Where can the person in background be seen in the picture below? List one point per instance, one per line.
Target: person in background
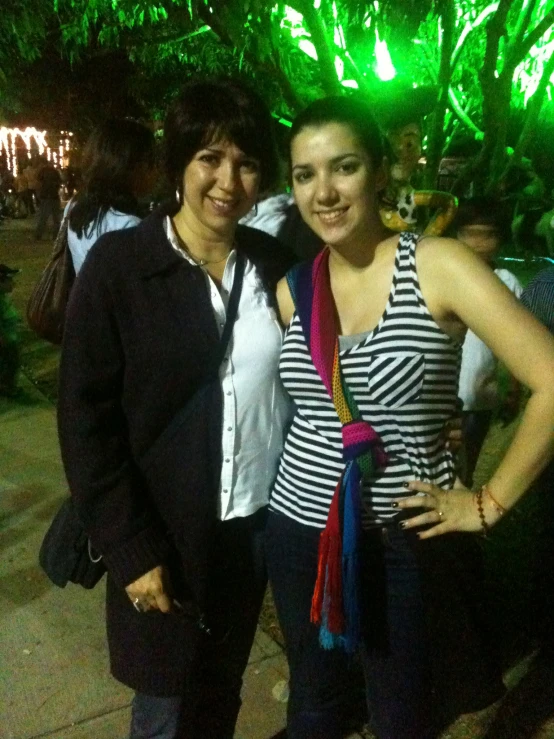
(278, 216)
(32, 172)
(538, 297)
(367, 531)
(9, 334)
(481, 224)
(49, 183)
(6, 179)
(71, 181)
(21, 188)
(170, 445)
(118, 169)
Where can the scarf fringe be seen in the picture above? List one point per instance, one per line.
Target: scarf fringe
(351, 596)
(327, 597)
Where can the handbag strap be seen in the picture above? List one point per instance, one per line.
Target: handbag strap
(62, 239)
(232, 310)
(213, 365)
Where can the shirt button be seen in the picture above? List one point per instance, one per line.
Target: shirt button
(226, 491)
(229, 392)
(227, 460)
(229, 428)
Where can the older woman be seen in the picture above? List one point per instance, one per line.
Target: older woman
(171, 418)
(364, 514)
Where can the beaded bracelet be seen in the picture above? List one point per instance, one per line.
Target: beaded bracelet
(479, 502)
(498, 508)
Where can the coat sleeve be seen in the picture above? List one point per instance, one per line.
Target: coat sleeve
(109, 494)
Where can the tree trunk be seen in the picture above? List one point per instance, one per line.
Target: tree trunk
(326, 59)
(494, 97)
(437, 118)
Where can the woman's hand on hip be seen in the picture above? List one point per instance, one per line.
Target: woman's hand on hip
(446, 510)
(150, 591)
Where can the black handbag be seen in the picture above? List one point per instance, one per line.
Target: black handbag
(66, 554)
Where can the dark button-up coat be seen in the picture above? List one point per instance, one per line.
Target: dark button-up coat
(138, 340)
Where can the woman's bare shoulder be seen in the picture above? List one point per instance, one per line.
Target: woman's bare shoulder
(285, 302)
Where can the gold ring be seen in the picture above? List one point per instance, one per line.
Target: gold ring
(136, 605)
(441, 514)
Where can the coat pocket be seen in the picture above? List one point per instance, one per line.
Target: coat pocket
(396, 378)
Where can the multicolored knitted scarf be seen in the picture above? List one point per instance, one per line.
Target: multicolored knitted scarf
(335, 602)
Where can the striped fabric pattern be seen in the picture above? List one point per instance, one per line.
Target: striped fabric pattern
(404, 377)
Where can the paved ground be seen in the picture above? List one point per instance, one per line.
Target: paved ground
(54, 680)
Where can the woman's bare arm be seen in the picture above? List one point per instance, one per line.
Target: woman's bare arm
(457, 285)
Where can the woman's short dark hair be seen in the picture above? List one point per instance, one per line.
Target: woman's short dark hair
(111, 154)
(214, 110)
(352, 111)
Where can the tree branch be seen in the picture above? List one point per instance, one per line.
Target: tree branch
(523, 24)
(467, 31)
(436, 127)
(496, 29)
(318, 32)
(178, 37)
(461, 113)
(534, 107)
(210, 19)
(535, 35)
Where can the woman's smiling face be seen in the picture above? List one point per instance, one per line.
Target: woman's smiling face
(335, 185)
(220, 186)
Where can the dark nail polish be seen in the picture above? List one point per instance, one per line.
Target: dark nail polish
(405, 484)
(394, 505)
(402, 524)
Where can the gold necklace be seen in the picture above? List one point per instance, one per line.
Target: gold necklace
(199, 262)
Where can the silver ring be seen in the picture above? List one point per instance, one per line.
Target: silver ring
(136, 605)
(441, 514)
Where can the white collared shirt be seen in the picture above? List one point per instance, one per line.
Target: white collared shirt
(256, 407)
(478, 386)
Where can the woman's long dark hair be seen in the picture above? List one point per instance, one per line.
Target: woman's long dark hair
(111, 154)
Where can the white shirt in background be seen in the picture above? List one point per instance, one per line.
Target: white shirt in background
(478, 382)
(114, 220)
(269, 214)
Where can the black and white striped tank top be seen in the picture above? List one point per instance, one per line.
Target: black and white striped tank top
(404, 377)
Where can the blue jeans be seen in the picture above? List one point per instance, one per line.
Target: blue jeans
(210, 707)
(394, 656)
(153, 717)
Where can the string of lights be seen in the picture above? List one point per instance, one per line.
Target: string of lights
(32, 138)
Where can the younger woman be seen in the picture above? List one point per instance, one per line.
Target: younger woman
(365, 484)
